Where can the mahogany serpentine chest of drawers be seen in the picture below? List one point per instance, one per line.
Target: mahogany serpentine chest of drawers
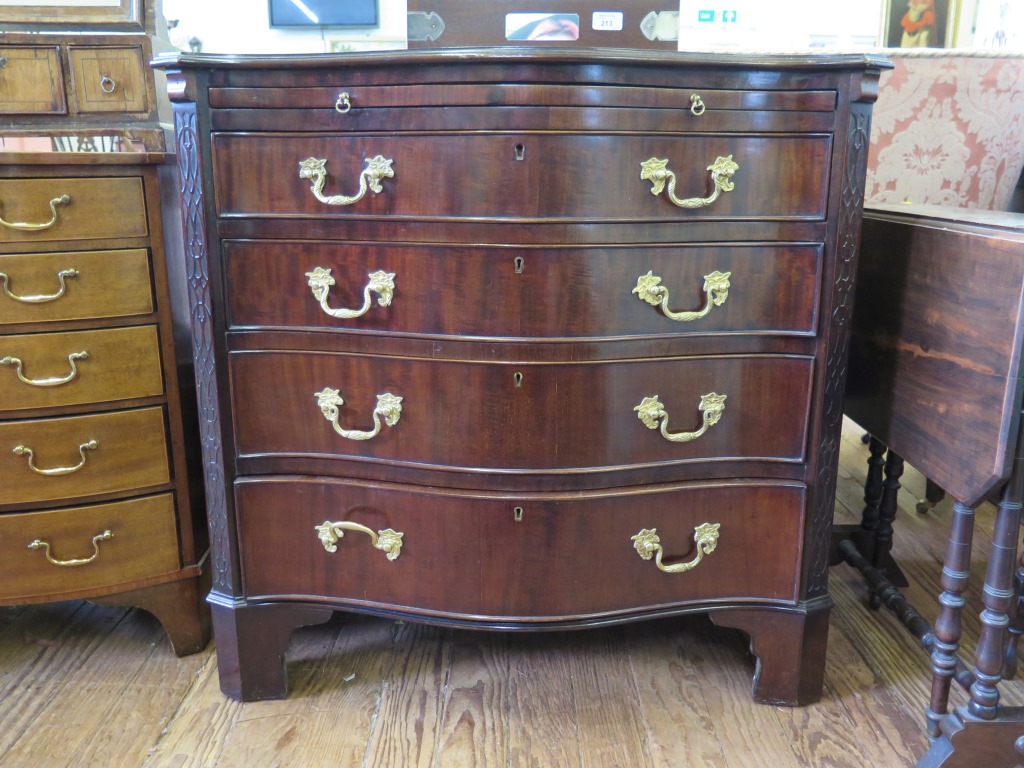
(521, 339)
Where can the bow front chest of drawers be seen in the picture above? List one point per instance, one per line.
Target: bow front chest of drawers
(521, 339)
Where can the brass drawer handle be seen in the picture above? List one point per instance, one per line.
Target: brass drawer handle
(107, 84)
(389, 407)
(53, 381)
(42, 297)
(25, 226)
(696, 104)
(648, 543)
(656, 171)
(45, 546)
(343, 104)
(382, 283)
(24, 450)
(652, 413)
(387, 541)
(377, 168)
(716, 291)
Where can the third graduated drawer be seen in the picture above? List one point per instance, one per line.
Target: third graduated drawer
(461, 290)
(532, 557)
(520, 417)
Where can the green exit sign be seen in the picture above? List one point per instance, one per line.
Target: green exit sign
(708, 17)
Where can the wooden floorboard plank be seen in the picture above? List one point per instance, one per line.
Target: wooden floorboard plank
(543, 725)
(611, 727)
(406, 732)
(680, 728)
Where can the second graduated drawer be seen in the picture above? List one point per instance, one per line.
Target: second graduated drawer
(85, 548)
(40, 370)
(74, 285)
(520, 416)
(53, 209)
(568, 177)
(73, 457)
(543, 292)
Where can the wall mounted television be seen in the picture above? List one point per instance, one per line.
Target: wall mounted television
(324, 13)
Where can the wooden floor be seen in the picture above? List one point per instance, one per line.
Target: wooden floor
(84, 685)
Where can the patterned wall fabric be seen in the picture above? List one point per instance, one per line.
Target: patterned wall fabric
(948, 129)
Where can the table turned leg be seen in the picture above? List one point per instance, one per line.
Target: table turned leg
(790, 650)
(873, 487)
(997, 597)
(251, 644)
(955, 575)
(886, 515)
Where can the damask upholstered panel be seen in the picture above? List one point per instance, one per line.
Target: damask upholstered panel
(948, 129)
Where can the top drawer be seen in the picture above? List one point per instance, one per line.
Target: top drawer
(31, 82)
(44, 210)
(487, 106)
(583, 177)
(108, 79)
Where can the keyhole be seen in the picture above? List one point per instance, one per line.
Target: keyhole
(519, 263)
(520, 151)
(518, 512)
(517, 379)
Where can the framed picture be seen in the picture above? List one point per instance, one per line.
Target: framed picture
(919, 23)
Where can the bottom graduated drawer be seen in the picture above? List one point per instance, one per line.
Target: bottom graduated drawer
(529, 557)
(85, 548)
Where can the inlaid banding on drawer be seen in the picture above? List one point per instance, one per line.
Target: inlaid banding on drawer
(540, 556)
(97, 208)
(142, 543)
(105, 365)
(104, 284)
(490, 292)
(130, 452)
(492, 417)
(451, 95)
(522, 176)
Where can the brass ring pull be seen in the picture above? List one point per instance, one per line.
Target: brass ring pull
(387, 541)
(716, 291)
(389, 407)
(107, 84)
(382, 283)
(648, 543)
(696, 104)
(26, 226)
(344, 103)
(656, 171)
(652, 413)
(42, 297)
(45, 546)
(24, 450)
(55, 381)
(377, 168)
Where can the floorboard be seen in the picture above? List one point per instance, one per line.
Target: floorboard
(86, 686)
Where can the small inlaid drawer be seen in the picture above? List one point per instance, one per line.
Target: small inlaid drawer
(84, 548)
(522, 417)
(538, 557)
(533, 176)
(562, 292)
(31, 81)
(47, 210)
(77, 456)
(41, 370)
(54, 287)
(108, 79)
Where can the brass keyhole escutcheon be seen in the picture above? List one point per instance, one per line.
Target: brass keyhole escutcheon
(518, 514)
(517, 379)
(520, 150)
(519, 263)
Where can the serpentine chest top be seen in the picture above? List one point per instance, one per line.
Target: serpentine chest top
(521, 339)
